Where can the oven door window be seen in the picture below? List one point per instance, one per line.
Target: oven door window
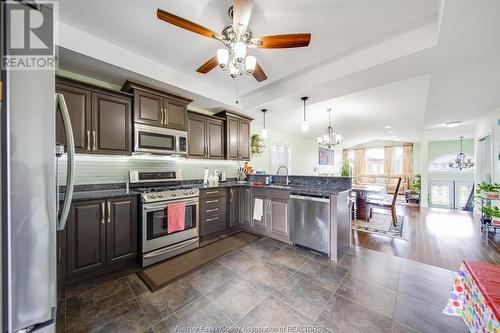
(157, 141)
(157, 222)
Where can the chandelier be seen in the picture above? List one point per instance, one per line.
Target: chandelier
(236, 60)
(330, 139)
(461, 161)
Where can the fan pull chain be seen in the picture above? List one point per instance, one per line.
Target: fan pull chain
(237, 91)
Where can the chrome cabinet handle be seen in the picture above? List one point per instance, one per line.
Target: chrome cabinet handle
(212, 219)
(103, 213)
(212, 192)
(211, 201)
(211, 210)
(88, 140)
(109, 212)
(94, 140)
(162, 116)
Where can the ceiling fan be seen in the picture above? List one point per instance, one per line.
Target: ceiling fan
(237, 37)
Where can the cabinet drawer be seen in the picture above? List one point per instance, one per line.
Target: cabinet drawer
(279, 194)
(212, 193)
(213, 223)
(212, 203)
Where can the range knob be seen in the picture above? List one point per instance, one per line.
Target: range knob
(185, 192)
(152, 196)
(191, 192)
(174, 194)
(160, 195)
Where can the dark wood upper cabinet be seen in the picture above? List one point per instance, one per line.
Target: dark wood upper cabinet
(121, 233)
(158, 108)
(78, 103)
(176, 113)
(101, 119)
(111, 125)
(86, 237)
(237, 135)
(148, 108)
(244, 139)
(205, 136)
(215, 135)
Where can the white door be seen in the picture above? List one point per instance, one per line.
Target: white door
(462, 193)
(441, 194)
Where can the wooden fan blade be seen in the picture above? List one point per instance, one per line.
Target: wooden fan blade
(184, 24)
(283, 41)
(258, 73)
(242, 9)
(208, 66)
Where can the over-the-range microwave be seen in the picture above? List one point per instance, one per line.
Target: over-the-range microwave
(159, 140)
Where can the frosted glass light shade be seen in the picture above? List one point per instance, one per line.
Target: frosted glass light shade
(222, 57)
(240, 50)
(305, 126)
(250, 62)
(320, 140)
(232, 69)
(263, 133)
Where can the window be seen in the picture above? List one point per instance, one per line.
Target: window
(350, 158)
(441, 163)
(280, 156)
(374, 159)
(397, 160)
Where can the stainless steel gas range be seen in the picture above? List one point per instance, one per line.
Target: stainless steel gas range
(159, 191)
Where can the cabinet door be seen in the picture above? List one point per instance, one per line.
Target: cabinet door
(246, 206)
(279, 218)
(78, 103)
(176, 114)
(244, 140)
(197, 136)
(260, 216)
(121, 225)
(232, 138)
(86, 240)
(111, 124)
(215, 140)
(234, 207)
(148, 108)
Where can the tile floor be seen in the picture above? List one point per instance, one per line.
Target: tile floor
(271, 285)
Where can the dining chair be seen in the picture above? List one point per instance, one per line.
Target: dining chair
(389, 205)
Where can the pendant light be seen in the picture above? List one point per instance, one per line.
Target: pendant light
(305, 123)
(461, 161)
(263, 133)
(330, 139)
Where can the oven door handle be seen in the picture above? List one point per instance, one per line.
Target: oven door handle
(148, 208)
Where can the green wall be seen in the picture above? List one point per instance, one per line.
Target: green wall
(440, 148)
(304, 156)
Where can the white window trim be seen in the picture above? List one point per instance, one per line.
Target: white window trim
(289, 166)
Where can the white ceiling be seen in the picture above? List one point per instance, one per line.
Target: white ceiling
(410, 64)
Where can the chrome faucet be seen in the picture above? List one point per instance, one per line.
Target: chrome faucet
(278, 172)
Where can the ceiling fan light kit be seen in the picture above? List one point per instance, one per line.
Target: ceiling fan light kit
(237, 37)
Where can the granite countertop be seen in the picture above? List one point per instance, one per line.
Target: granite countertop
(99, 194)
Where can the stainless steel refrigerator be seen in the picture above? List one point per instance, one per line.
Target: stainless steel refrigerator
(30, 216)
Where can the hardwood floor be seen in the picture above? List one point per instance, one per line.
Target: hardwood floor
(438, 237)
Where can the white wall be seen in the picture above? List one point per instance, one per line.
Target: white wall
(489, 125)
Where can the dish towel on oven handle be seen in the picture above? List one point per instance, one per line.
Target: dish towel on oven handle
(175, 217)
(258, 209)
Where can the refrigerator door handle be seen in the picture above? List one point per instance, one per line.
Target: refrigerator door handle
(70, 175)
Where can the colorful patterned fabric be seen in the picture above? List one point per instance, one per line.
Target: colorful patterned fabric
(467, 300)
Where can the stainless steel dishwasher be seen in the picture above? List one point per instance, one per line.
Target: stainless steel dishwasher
(310, 222)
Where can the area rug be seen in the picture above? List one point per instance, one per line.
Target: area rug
(381, 224)
(166, 272)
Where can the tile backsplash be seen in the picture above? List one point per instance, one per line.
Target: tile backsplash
(114, 169)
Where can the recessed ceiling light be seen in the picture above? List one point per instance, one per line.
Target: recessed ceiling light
(388, 127)
(454, 124)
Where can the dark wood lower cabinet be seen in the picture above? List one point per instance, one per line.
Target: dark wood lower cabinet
(121, 229)
(100, 233)
(234, 207)
(86, 241)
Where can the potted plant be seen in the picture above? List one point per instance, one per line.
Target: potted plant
(492, 215)
(345, 171)
(490, 191)
(257, 144)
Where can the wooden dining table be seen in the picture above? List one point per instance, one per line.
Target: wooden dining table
(362, 191)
